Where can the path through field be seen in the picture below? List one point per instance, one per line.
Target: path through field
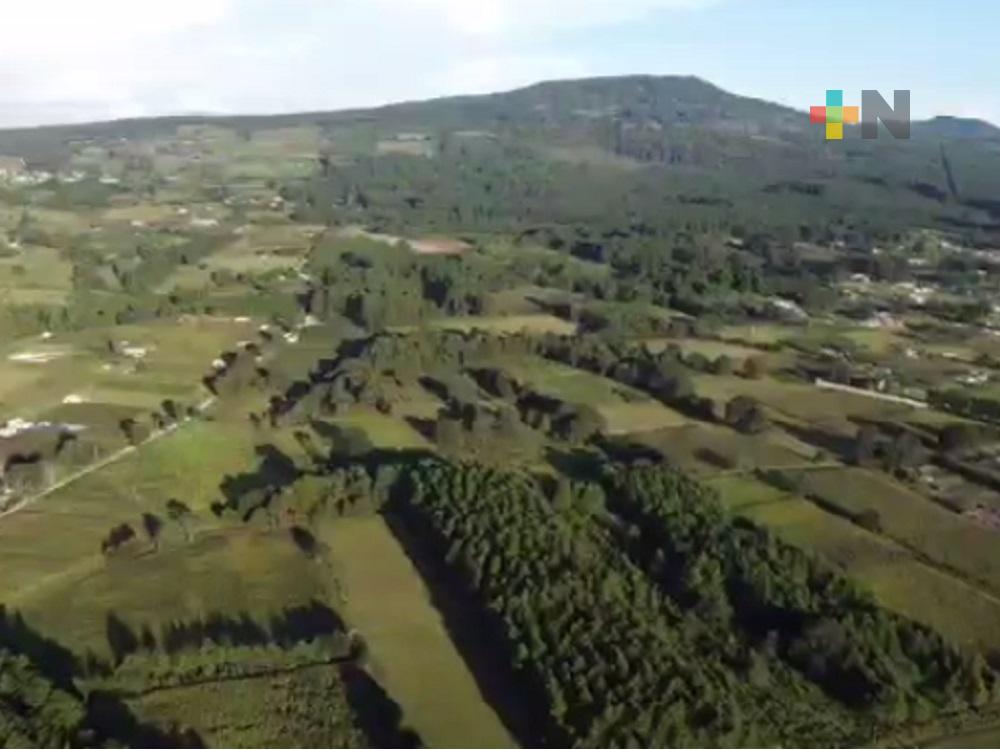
(118, 455)
(412, 655)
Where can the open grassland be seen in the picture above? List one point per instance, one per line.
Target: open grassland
(707, 347)
(763, 333)
(530, 323)
(807, 405)
(35, 274)
(144, 213)
(95, 366)
(942, 537)
(876, 340)
(411, 652)
(709, 449)
(189, 465)
(234, 572)
(262, 248)
(36, 377)
(60, 535)
(383, 430)
(624, 409)
(891, 572)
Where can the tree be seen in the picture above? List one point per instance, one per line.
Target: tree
(723, 365)
(960, 436)
(152, 525)
(171, 409)
(180, 514)
(746, 415)
(581, 425)
(904, 452)
(130, 428)
(866, 444)
(120, 535)
(754, 368)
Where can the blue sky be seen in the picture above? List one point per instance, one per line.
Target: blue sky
(63, 60)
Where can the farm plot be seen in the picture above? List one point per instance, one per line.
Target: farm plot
(382, 430)
(529, 323)
(943, 538)
(234, 573)
(710, 449)
(35, 275)
(624, 409)
(263, 248)
(386, 599)
(891, 572)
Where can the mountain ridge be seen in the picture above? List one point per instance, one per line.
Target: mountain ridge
(967, 126)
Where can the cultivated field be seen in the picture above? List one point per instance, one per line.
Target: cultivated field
(894, 574)
(411, 651)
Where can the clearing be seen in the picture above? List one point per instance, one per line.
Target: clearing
(412, 654)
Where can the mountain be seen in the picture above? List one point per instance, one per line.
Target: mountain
(694, 142)
(957, 128)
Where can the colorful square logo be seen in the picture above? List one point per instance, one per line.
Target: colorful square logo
(834, 115)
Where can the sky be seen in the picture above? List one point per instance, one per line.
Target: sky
(68, 60)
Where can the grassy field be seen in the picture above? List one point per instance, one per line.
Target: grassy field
(36, 376)
(892, 573)
(764, 333)
(232, 572)
(945, 538)
(35, 274)
(61, 535)
(383, 430)
(531, 323)
(264, 248)
(807, 405)
(411, 651)
(624, 408)
(708, 347)
(286, 710)
(708, 448)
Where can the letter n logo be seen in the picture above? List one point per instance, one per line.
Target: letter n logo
(896, 118)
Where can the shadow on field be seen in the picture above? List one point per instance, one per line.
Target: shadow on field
(274, 471)
(107, 721)
(112, 719)
(378, 715)
(53, 660)
(293, 625)
(840, 446)
(471, 633)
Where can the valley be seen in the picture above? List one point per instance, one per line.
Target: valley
(566, 416)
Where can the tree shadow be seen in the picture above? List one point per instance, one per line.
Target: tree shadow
(55, 662)
(626, 451)
(425, 427)
(474, 634)
(378, 715)
(113, 721)
(576, 463)
(841, 446)
(274, 472)
(108, 721)
(298, 624)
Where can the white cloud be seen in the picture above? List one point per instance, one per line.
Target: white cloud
(66, 60)
(57, 27)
